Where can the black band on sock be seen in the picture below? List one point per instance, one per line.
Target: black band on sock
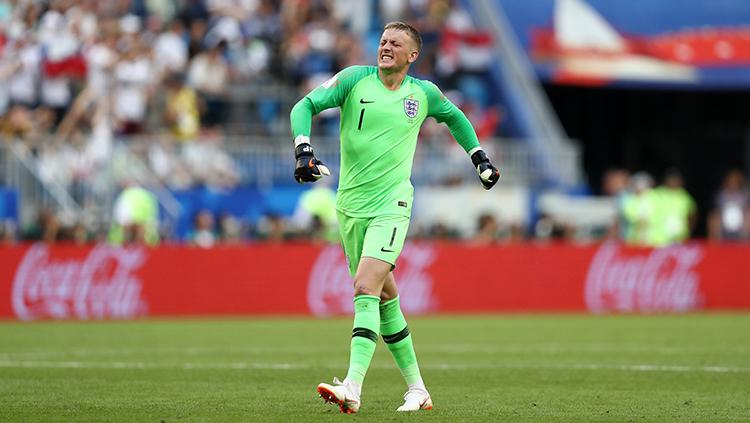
(365, 333)
(392, 339)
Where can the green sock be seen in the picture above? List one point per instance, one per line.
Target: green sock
(398, 340)
(364, 336)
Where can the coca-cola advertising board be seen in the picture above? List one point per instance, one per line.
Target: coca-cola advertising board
(104, 282)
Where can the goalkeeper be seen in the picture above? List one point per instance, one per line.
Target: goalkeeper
(382, 109)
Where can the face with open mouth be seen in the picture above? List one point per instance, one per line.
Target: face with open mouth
(396, 50)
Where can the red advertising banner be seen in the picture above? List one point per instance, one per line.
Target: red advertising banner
(102, 282)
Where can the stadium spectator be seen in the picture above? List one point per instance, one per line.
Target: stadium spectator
(491, 231)
(674, 214)
(265, 23)
(730, 218)
(197, 32)
(637, 209)
(441, 231)
(182, 114)
(209, 76)
(136, 217)
(272, 228)
(315, 214)
(23, 58)
(203, 234)
(83, 20)
(18, 123)
(60, 39)
(310, 47)
(8, 235)
(230, 230)
(163, 10)
(171, 50)
(487, 230)
(27, 126)
(615, 183)
(78, 234)
(45, 228)
(547, 228)
(133, 81)
(194, 11)
(392, 10)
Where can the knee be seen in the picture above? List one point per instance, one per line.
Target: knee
(365, 284)
(384, 296)
(364, 289)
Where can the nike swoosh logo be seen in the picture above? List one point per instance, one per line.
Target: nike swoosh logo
(363, 101)
(385, 251)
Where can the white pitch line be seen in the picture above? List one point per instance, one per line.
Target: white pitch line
(290, 366)
(623, 367)
(550, 349)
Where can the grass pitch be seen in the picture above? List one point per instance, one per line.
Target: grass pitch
(566, 368)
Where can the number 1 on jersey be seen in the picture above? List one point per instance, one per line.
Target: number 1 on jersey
(361, 116)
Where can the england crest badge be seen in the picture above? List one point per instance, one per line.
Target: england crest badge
(411, 107)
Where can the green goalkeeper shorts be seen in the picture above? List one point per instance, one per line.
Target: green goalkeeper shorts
(380, 237)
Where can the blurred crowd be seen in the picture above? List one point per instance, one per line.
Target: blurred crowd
(105, 93)
(647, 215)
(650, 212)
(81, 71)
(109, 94)
(656, 215)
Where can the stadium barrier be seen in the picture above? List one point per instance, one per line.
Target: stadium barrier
(102, 282)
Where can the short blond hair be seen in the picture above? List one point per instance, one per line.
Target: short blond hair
(403, 26)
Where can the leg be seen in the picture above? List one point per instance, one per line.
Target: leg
(371, 247)
(371, 277)
(390, 290)
(368, 283)
(382, 243)
(368, 274)
(397, 338)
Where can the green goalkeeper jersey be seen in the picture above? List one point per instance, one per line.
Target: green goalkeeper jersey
(379, 130)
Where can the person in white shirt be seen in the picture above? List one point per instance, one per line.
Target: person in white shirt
(22, 84)
(170, 49)
(132, 78)
(209, 75)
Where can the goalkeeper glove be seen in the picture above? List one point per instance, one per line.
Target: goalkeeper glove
(488, 174)
(309, 169)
